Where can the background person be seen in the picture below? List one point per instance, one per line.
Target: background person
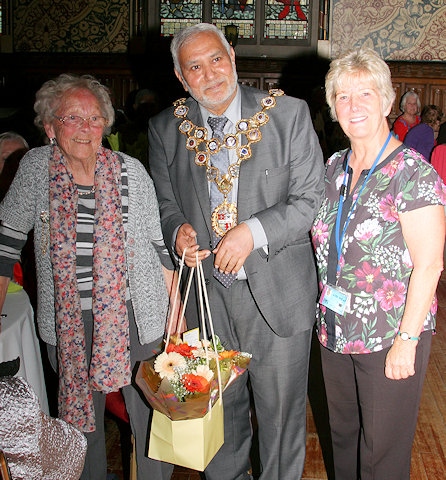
(102, 266)
(410, 105)
(438, 157)
(422, 136)
(378, 239)
(269, 309)
(11, 142)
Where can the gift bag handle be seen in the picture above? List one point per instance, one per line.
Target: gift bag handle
(177, 296)
(202, 295)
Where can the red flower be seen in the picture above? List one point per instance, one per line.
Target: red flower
(195, 383)
(355, 347)
(391, 295)
(183, 349)
(388, 209)
(368, 277)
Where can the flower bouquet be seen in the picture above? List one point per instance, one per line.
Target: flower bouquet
(183, 380)
(184, 385)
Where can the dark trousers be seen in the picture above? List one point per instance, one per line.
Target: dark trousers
(372, 418)
(95, 467)
(278, 375)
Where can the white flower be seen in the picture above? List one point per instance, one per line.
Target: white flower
(204, 371)
(370, 228)
(340, 180)
(407, 260)
(166, 363)
(205, 342)
(201, 353)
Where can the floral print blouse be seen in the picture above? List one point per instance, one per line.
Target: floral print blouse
(375, 265)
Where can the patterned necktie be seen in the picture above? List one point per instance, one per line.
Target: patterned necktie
(221, 161)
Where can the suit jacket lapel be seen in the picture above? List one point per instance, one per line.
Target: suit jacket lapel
(198, 174)
(250, 106)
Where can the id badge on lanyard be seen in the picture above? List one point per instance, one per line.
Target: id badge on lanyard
(336, 299)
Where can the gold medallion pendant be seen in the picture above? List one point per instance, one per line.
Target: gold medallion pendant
(223, 218)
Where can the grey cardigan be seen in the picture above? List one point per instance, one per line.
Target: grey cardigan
(28, 197)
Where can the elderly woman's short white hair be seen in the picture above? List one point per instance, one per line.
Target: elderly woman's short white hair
(363, 62)
(406, 97)
(50, 95)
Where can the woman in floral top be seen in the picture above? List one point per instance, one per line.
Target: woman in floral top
(379, 240)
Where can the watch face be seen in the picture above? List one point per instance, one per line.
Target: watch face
(404, 335)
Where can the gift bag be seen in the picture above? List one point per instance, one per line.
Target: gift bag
(186, 430)
(190, 443)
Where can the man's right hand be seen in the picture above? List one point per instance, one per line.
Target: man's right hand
(187, 240)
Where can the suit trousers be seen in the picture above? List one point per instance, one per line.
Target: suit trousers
(278, 375)
(372, 414)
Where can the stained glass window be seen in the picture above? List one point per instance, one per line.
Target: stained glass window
(287, 19)
(262, 25)
(2, 28)
(177, 14)
(240, 13)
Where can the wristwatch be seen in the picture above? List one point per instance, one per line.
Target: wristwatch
(405, 336)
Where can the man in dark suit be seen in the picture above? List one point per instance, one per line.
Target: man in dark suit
(269, 196)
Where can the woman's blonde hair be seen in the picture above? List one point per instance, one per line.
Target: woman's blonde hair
(366, 63)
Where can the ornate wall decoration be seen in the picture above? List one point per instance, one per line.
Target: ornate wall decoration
(95, 26)
(397, 29)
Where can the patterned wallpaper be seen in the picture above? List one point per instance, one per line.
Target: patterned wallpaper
(71, 25)
(396, 29)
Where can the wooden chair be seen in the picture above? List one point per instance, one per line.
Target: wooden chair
(5, 474)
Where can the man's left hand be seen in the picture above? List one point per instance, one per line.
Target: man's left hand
(233, 249)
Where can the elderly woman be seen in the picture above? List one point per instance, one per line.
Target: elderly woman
(410, 105)
(103, 270)
(378, 240)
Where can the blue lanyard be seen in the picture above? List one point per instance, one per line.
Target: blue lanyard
(343, 195)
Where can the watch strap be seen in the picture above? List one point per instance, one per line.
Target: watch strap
(405, 336)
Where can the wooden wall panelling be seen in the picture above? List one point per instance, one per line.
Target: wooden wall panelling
(428, 79)
(271, 82)
(430, 91)
(438, 96)
(250, 82)
(262, 82)
(22, 74)
(397, 87)
(120, 86)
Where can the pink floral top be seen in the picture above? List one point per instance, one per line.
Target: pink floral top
(375, 265)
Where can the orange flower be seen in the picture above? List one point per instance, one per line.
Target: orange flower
(182, 348)
(227, 354)
(195, 383)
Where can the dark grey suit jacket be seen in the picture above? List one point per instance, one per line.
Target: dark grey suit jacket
(281, 184)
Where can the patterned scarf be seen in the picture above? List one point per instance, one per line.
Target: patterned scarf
(109, 368)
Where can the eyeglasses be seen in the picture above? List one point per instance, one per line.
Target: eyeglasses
(94, 121)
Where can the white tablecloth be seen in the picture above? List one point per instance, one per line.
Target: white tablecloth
(18, 339)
